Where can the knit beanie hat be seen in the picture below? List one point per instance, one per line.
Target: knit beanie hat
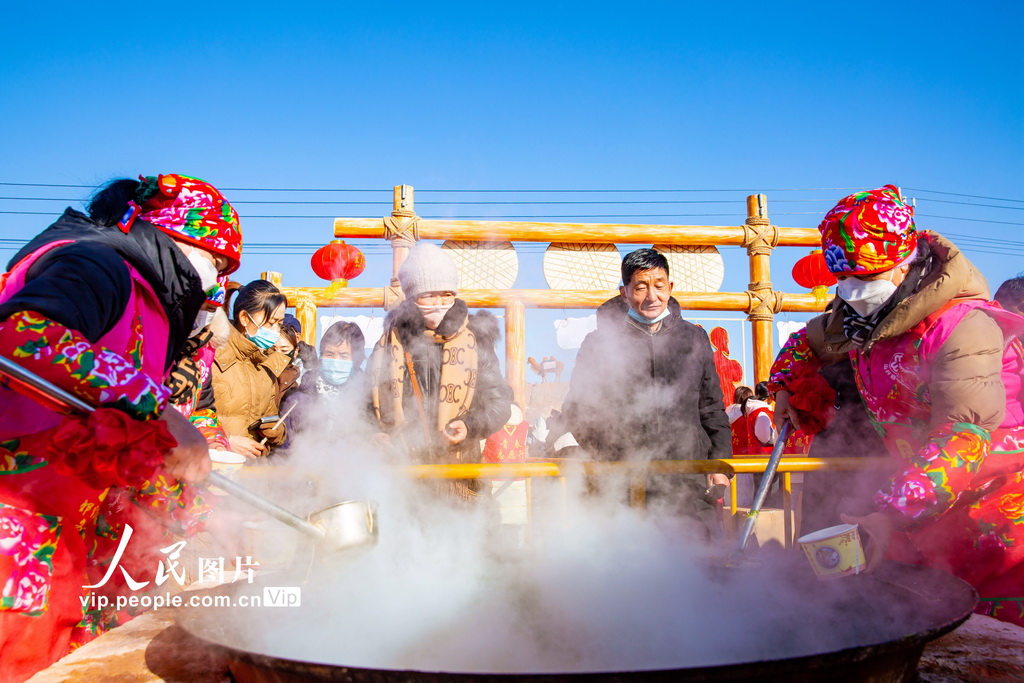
(428, 269)
(868, 232)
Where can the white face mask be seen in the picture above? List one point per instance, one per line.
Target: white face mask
(434, 314)
(865, 297)
(202, 320)
(207, 271)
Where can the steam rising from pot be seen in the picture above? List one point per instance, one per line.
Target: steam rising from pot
(597, 585)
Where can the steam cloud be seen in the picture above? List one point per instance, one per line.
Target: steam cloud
(597, 585)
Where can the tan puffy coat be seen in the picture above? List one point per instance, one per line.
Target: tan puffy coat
(966, 384)
(245, 385)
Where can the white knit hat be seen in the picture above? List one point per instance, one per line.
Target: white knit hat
(428, 269)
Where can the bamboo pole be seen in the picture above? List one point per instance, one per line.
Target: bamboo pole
(305, 309)
(563, 468)
(763, 302)
(305, 313)
(703, 235)
(515, 350)
(403, 207)
(581, 299)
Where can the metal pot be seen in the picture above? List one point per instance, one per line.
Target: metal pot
(931, 603)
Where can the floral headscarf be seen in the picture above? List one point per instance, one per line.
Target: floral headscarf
(192, 210)
(216, 295)
(868, 232)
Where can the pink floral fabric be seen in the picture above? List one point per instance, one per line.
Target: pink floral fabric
(194, 211)
(96, 374)
(796, 370)
(182, 508)
(27, 543)
(868, 232)
(958, 494)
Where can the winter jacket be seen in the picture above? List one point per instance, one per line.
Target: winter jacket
(641, 396)
(87, 286)
(191, 384)
(245, 384)
(491, 404)
(321, 408)
(941, 379)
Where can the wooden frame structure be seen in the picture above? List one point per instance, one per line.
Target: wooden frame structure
(761, 302)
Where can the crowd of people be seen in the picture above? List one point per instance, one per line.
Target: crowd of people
(129, 308)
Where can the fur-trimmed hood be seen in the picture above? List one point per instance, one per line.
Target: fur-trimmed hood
(952, 277)
(408, 322)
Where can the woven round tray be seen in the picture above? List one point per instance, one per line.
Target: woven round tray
(693, 269)
(484, 265)
(570, 265)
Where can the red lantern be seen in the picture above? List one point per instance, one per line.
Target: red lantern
(811, 272)
(338, 262)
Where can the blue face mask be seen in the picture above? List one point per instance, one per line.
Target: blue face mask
(335, 371)
(264, 337)
(647, 321)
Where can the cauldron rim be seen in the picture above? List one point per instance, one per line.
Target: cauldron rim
(961, 604)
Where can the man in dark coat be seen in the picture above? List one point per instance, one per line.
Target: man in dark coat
(645, 386)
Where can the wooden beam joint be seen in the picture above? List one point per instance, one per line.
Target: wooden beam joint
(763, 302)
(760, 236)
(393, 296)
(402, 227)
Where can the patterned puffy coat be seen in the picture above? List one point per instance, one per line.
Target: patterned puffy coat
(941, 379)
(100, 314)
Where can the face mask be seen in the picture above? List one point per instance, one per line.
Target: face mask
(264, 337)
(647, 321)
(202, 320)
(207, 271)
(865, 297)
(335, 370)
(434, 314)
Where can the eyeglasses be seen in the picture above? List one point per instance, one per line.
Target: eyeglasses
(436, 298)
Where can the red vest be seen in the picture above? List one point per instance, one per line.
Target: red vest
(508, 444)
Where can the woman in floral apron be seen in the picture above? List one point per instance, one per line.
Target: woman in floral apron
(100, 305)
(939, 370)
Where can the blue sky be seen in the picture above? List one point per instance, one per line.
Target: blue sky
(442, 96)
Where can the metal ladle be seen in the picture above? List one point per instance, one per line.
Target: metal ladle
(346, 525)
(766, 482)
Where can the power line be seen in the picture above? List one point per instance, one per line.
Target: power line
(548, 190)
(958, 194)
(972, 220)
(527, 203)
(991, 206)
(992, 240)
(546, 217)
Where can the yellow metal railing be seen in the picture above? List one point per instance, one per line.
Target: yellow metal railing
(638, 473)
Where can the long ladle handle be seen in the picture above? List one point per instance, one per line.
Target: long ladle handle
(53, 392)
(43, 386)
(264, 505)
(766, 482)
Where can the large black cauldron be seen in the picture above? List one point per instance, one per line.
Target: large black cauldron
(922, 604)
